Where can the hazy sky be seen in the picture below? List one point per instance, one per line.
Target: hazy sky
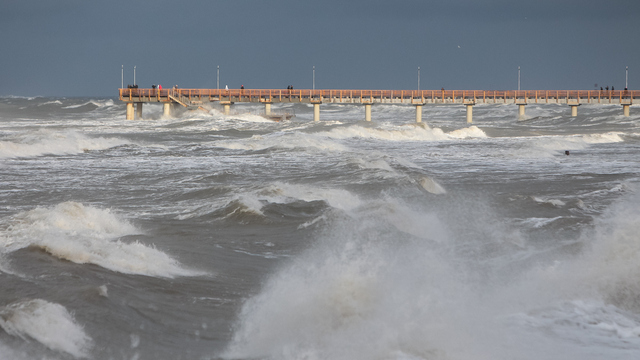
(77, 47)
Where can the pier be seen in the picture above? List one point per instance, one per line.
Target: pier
(196, 98)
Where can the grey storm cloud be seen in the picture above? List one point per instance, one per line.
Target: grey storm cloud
(77, 48)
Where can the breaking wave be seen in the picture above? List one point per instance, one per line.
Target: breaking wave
(49, 324)
(56, 143)
(82, 234)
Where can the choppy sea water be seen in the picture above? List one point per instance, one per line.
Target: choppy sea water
(205, 236)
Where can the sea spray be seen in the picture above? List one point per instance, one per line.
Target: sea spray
(48, 323)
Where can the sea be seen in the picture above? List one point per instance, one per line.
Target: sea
(209, 236)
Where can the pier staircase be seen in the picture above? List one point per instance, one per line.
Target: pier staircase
(185, 101)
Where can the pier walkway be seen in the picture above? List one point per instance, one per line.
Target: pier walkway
(195, 98)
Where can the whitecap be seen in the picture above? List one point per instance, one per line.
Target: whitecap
(470, 132)
(287, 141)
(405, 133)
(51, 142)
(48, 323)
(431, 185)
(84, 234)
(554, 202)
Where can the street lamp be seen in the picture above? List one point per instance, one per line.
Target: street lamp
(518, 78)
(134, 75)
(418, 78)
(314, 78)
(626, 81)
(218, 79)
(122, 76)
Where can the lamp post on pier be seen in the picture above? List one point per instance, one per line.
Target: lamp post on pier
(518, 78)
(122, 77)
(134, 75)
(313, 82)
(626, 79)
(218, 78)
(418, 78)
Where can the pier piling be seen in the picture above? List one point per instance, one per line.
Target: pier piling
(130, 111)
(418, 114)
(521, 111)
(574, 109)
(367, 112)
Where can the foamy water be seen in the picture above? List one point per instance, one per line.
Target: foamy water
(207, 236)
(49, 324)
(53, 143)
(83, 235)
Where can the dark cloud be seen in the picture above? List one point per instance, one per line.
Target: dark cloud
(76, 48)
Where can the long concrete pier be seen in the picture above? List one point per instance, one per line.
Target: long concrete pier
(195, 98)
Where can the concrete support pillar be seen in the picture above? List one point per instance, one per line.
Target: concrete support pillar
(130, 111)
(625, 109)
(574, 110)
(316, 112)
(227, 109)
(267, 109)
(521, 110)
(469, 113)
(367, 112)
(167, 109)
(418, 114)
(139, 110)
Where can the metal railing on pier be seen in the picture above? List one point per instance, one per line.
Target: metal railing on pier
(381, 96)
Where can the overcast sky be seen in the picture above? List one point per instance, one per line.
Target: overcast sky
(77, 47)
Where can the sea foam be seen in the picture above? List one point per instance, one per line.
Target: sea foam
(84, 234)
(287, 141)
(44, 142)
(48, 323)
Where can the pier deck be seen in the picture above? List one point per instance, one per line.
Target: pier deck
(384, 96)
(194, 98)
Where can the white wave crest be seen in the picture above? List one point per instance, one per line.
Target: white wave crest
(49, 324)
(285, 193)
(289, 141)
(405, 133)
(574, 142)
(82, 234)
(470, 132)
(56, 143)
(98, 103)
(432, 186)
(606, 138)
(56, 102)
(554, 202)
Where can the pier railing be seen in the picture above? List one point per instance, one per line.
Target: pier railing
(382, 96)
